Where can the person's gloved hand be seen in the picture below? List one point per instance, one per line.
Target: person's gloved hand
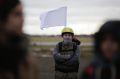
(78, 42)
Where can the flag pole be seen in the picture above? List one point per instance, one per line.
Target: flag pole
(66, 17)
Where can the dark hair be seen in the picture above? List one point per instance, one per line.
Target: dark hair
(111, 28)
(5, 8)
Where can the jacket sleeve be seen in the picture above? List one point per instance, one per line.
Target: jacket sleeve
(76, 57)
(57, 56)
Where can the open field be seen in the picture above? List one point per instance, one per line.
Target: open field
(43, 47)
(45, 67)
(57, 39)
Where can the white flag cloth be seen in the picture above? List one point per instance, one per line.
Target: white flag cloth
(54, 18)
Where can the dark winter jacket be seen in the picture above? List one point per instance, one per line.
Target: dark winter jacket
(100, 67)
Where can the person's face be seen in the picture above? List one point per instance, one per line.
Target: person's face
(15, 21)
(67, 36)
(109, 47)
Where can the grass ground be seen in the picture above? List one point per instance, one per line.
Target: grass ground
(85, 50)
(57, 39)
(45, 65)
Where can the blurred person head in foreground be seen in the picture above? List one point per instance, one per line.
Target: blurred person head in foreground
(106, 64)
(15, 61)
(11, 15)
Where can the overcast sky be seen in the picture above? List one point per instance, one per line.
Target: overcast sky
(84, 16)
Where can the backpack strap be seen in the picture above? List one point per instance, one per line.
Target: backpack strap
(74, 47)
(74, 50)
(60, 46)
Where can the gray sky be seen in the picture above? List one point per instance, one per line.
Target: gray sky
(84, 16)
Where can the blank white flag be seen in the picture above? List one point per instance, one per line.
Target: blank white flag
(54, 18)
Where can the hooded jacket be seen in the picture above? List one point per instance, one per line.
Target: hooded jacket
(100, 67)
